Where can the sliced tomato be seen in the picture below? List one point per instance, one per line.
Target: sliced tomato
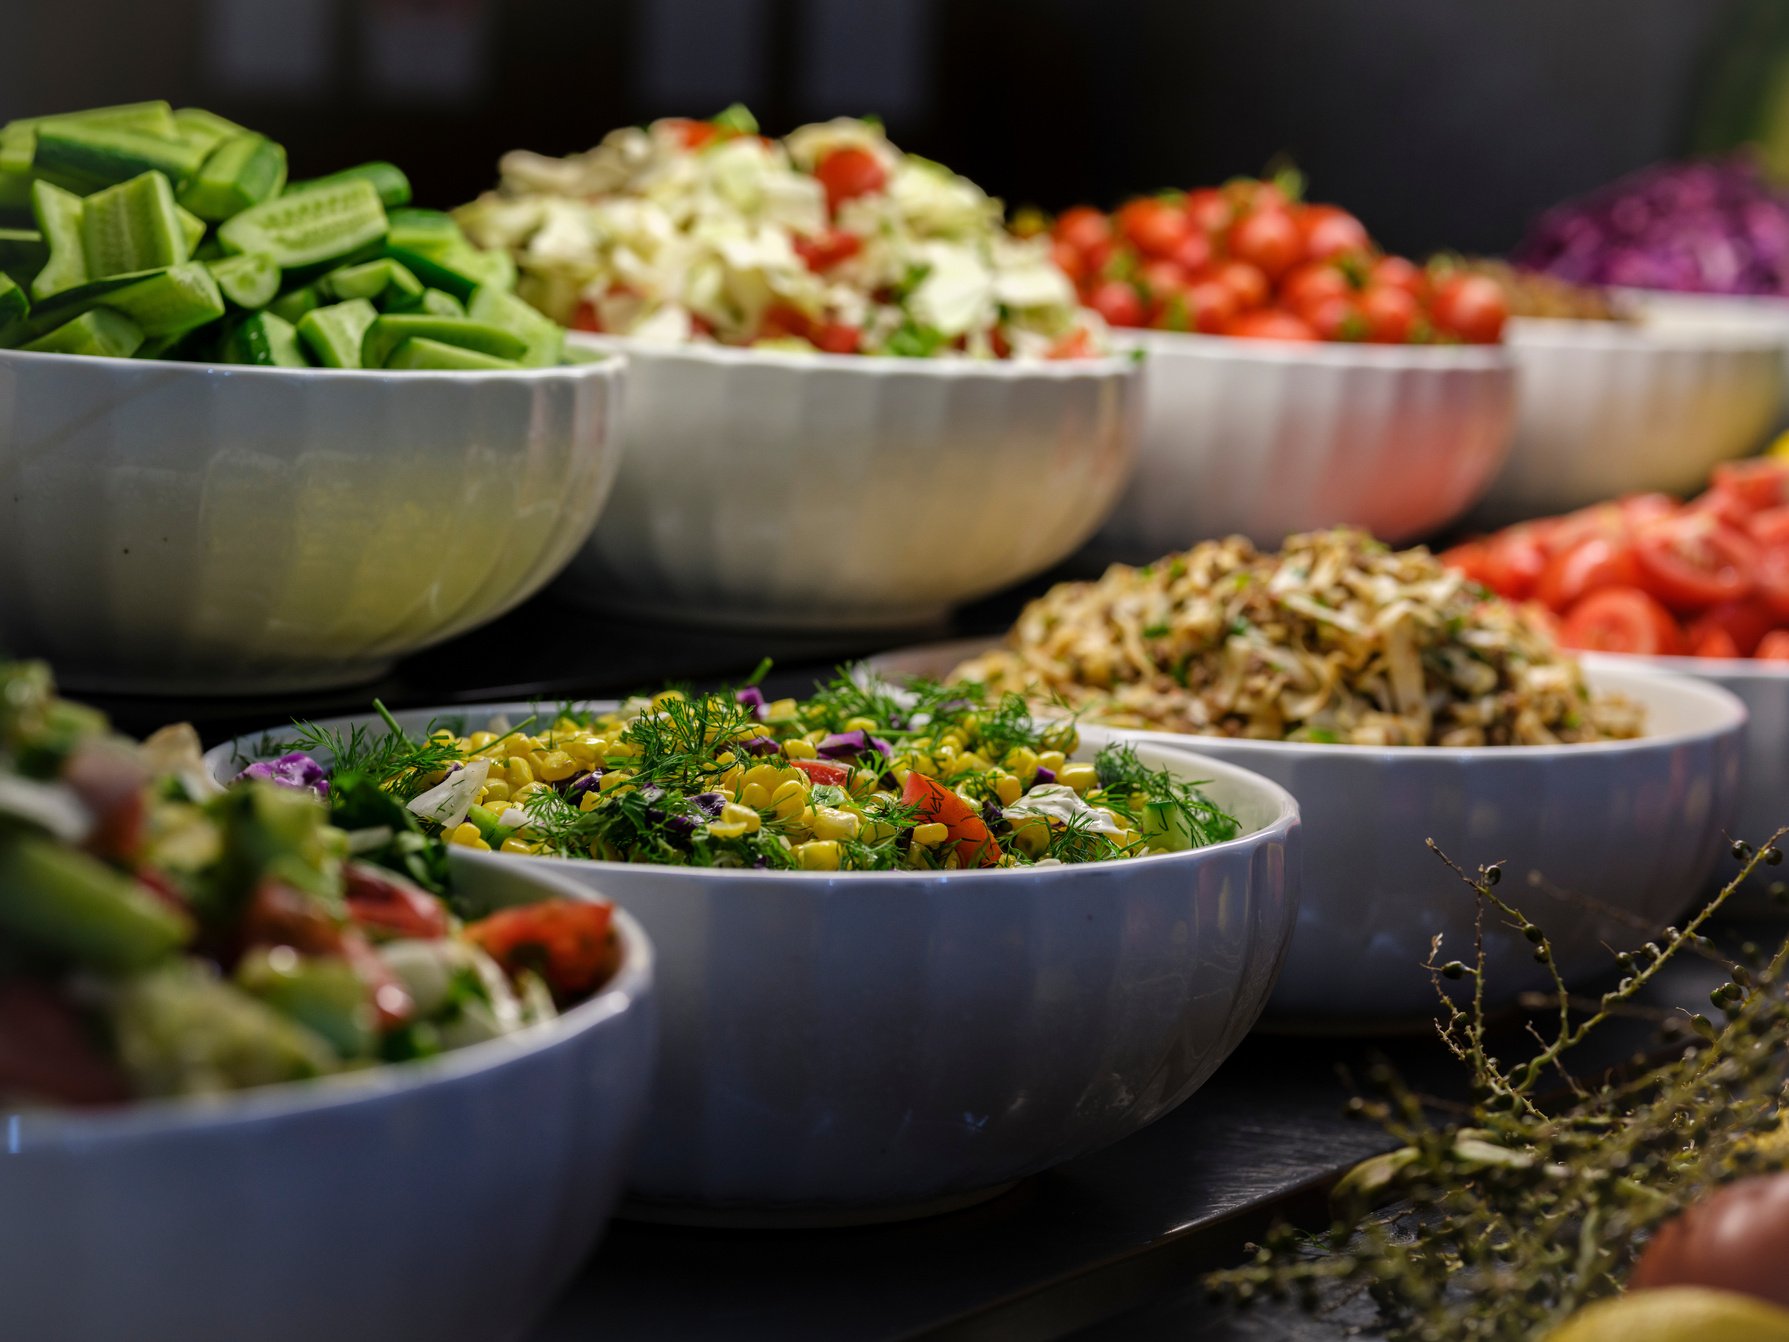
(1759, 484)
(385, 903)
(1692, 561)
(1775, 647)
(1745, 622)
(1469, 558)
(1514, 562)
(1769, 527)
(1077, 344)
(1772, 578)
(114, 789)
(975, 845)
(824, 772)
(1639, 509)
(1621, 619)
(1726, 507)
(568, 942)
(1588, 566)
(585, 318)
(831, 248)
(48, 1053)
(1713, 643)
(283, 915)
(848, 173)
(692, 134)
(837, 337)
(392, 1003)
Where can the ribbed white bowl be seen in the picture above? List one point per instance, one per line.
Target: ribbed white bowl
(1672, 311)
(1264, 438)
(1605, 843)
(874, 1044)
(766, 489)
(446, 1199)
(185, 528)
(1606, 409)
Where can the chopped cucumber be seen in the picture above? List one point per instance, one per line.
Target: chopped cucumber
(499, 307)
(334, 335)
(294, 303)
(383, 281)
(192, 228)
(132, 226)
(15, 306)
(172, 301)
(266, 340)
(419, 352)
(58, 215)
(439, 303)
(99, 331)
(393, 329)
(22, 253)
(18, 139)
(386, 178)
(205, 129)
(322, 993)
(424, 230)
(457, 270)
(15, 194)
(239, 173)
(249, 281)
(63, 902)
(305, 227)
(100, 155)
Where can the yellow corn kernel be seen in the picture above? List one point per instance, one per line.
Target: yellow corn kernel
(1031, 836)
(478, 741)
(789, 799)
(943, 752)
(952, 737)
(755, 795)
(860, 724)
(664, 697)
(621, 750)
(1008, 788)
(495, 789)
(1022, 760)
(779, 709)
(732, 814)
(831, 823)
(589, 800)
(930, 834)
(1052, 760)
(581, 748)
(521, 795)
(862, 782)
(467, 836)
(767, 776)
(555, 765)
(798, 749)
(515, 772)
(613, 779)
(818, 855)
(442, 735)
(728, 780)
(523, 745)
(514, 845)
(726, 758)
(726, 829)
(1081, 777)
(968, 762)
(429, 780)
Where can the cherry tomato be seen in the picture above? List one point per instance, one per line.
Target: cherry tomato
(1470, 558)
(1728, 1240)
(1774, 646)
(1587, 566)
(1209, 210)
(1621, 619)
(1391, 314)
(1083, 227)
(1162, 278)
(1692, 562)
(386, 904)
(836, 338)
(933, 802)
(1330, 231)
(1192, 253)
(693, 134)
(1514, 562)
(1313, 283)
(1473, 307)
(824, 772)
(1245, 281)
(1745, 622)
(47, 1052)
(1712, 643)
(568, 942)
(828, 250)
(1153, 226)
(1211, 305)
(1267, 240)
(1269, 324)
(1069, 260)
(1757, 484)
(1770, 527)
(1394, 272)
(781, 321)
(1729, 509)
(1337, 319)
(1117, 302)
(282, 915)
(1772, 578)
(848, 173)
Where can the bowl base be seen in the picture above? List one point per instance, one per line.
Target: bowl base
(75, 680)
(819, 1217)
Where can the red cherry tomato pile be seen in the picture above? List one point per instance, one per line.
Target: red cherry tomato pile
(1247, 260)
(1647, 574)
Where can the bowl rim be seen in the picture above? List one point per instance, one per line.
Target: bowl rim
(1756, 305)
(1749, 669)
(1726, 712)
(610, 368)
(632, 984)
(1119, 364)
(1489, 360)
(1285, 816)
(1554, 334)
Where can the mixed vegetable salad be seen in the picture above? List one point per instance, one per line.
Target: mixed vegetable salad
(830, 239)
(152, 232)
(1336, 640)
(861, 776)
(1251, 259)
(161, 935)
(1646, 574)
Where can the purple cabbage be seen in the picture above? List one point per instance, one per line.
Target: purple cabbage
(753, 698)
(849, 745)
(759, 745)
(295, 770)
(582, 784)
(710, 802)
(1045, 775)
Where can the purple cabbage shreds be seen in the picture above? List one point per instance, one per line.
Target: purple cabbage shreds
(753, 698)
(296, 770)
(680, 825)
(991, 814)
(1045, 775)
(709, 802)
(759, 745)
(849, 745)
(582, 784)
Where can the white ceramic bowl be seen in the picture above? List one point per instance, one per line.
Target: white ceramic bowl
(189, 528)
(1606, 409)
(1669, 310)
(447, 1199)
(766, 489)
(868, 1045)
(1622, 833)
(1266, 438)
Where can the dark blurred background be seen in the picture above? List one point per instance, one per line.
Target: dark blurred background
(1443, 123)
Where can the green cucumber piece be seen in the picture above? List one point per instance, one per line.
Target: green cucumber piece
(294, 303)
(439, 303)
(18, 139)
(265, 340)
(15, 194)
(250, 281)
(58, 215)
(99, 331)
(322, 993)
(383, 281)
(419, 352)
(18, 146)
(498, 307)
(239, 173)
(22, 253)
(305, 227)
(457, 270)
(132, 226)
(101, 155)
(206, 129)
(424, 230)
(62, 901)
(386, 178)
(333, 335)
(393, 329)
(15, 306)
(171, 302)
(192, 228)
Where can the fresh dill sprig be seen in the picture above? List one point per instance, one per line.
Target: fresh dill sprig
(1130, 787)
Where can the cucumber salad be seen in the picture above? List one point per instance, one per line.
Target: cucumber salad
(861, 776)
(161, 935)
(146, 231)
(830, 239)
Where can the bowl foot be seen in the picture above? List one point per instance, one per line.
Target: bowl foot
(818, 1217)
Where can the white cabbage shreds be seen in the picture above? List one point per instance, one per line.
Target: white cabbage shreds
(448, 802)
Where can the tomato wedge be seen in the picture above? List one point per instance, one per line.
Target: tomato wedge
(1588, 566)
(1470, 559)
(1772, 576)
(976, 846)
(569, 942)
(1621, 619)
(1693, 562)
(1745, 622)
(824, 772)
(1714, 643)
(390, 906)
(1514, 562)
(1769, 527)
(1756, 484)
(1775, 647)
